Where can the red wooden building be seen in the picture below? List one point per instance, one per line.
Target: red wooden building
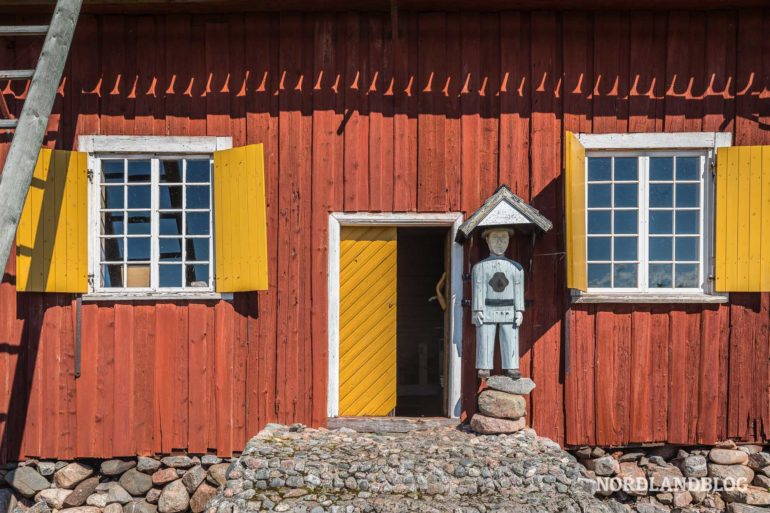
(418, 113)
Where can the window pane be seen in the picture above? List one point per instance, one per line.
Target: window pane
(687, 221)
(599, 195)
(138, 170)
(112, 197)
(660, 221)
(198, 249)
(687, 248)
(112, 223)
(171, 171)
(599, 275)
(625, 221)
(138, 248)
(599, 248)
(112, 275)
(625, 248)
(661, 168)
(197, 196)
(139, 196)
(687, 168)
(661, 195)
(686, 276)
(170, 250)
(197, 275)
(599, 221)
(139, 223)
(687, 194)
(138, 276)
(170, 275)
(626, 194)
(170, 196)
(112, 171)
(625, 275)
(626, 168)
(112, 250)
(198, 223)
(170, 223)
(661, 249)
(198, 170)
(599, 169)
(660, 276)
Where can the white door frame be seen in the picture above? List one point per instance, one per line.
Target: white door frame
(451, 220)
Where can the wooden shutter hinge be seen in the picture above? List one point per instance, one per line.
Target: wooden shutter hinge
(90, 174)
(91, 281)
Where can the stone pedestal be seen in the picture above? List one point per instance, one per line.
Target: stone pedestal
(502, 407)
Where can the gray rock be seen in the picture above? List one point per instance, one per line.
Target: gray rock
(759, 460)
(630, 456)
(604, 466)
(147, 465)
(664, 475)
(200, 498)
(97, 500)
(193, 478)
(728, 456)
(628, 470)
(81, 509)
(177, 461)
(136, 483)
(750, 448)
(46, 468)
(153, 495)
(217, 474)
(174, 498)
(521, 386)
(492, 426)
(113, 492)
(761, 481)
(116, 467)
(139, 507)
(38, 507)
(648, 507)
(210, 459)
(502, 405)
(113, 508)
(81, 492)
(71, 475)
(751, 495)
(694, 466)
(27, 481)
(54, 497)
(732, 472)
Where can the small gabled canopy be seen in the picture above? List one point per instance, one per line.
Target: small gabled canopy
(503, 208)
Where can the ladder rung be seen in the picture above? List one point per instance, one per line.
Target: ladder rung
(8, 123)
(23, 30)
(16, 74)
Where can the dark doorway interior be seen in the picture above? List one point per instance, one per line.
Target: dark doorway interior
(420, 322)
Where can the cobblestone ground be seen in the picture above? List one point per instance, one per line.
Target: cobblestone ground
(444, 470)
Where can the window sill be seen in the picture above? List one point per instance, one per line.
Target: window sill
(650, 298)
(158, 296)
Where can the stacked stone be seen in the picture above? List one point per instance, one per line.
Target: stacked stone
(174, 484)
(502, 407)
(726, 462)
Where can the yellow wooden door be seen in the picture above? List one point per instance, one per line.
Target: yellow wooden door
(367, 321)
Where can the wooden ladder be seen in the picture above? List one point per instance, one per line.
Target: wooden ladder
(29, 129)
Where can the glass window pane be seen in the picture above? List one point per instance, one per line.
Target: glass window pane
(139, 196)
(112, 171)
(599, 169)
(661, 168)
(139, 170)
(197, 275)
(198, 223)
(138, 276)
(112, 275)
(139, 223)
(687, 248)
(112, 197)
(170, 223)
(625, 275)
(599, 195)
(198, 170)
(170, 250)
(626, 194)
(687, 168)
(661, 249)
(686, 276)
(626, 248)
(112, 223)
(170, 196)
(661, 195)
(626, 221)
(112, 250)
(687, 221)
(660, 221)
(171, 171)
(660, 276)
(138, 248)
(170, 275)
(599, 221)
(599, 248)
(599, 275)
(687, 194)
(197, 196)
(626, 168)
(198, 249)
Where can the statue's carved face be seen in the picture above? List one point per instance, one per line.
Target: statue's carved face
(498, 242)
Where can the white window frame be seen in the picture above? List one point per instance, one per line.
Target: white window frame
(149, 147)
(703, 144)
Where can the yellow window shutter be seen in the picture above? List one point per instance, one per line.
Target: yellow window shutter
(575, 197)
(240, 226)
(51, 240)
(742, 232)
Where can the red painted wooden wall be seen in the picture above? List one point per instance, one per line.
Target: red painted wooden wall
(356, 120)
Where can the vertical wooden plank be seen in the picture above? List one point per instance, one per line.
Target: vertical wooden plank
(65, 366)
(105, 382)
(611, 47)
(165, 376)
(200, 374)
(223, 368)
(406, 92)
(380, 138)
(88, 441)
(647, 71)
(579, 398)
(146, 384)
(356, 129)
(124, 435)
(472, 194)
(179, 80)
(180, 373)
(150, 80)
(641, 428)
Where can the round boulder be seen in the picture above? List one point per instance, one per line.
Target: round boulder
(174, 498)
(136, 483)
(502, 405)
(728, 456)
